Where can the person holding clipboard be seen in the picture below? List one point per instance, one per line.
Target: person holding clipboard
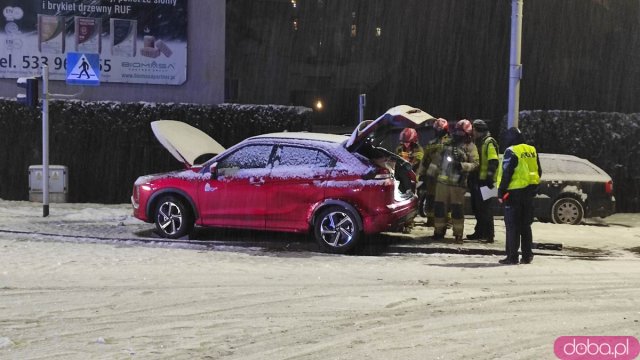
(482, 182)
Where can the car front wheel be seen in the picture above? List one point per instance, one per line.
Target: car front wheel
(336, 230)
(172, 218)
(567, 211)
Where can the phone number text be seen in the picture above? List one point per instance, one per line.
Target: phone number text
(36, 62)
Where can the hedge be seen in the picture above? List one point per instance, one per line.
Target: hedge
(107, 145)
(609, 140)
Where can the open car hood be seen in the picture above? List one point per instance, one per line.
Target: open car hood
(401, 116)
(183, 141)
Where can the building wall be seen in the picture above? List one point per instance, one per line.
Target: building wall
(447, 57)
(205, 70)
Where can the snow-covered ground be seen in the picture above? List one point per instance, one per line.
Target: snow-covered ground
(89, 282)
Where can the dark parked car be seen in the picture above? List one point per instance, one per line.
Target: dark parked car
(336, 187)
(571, 189)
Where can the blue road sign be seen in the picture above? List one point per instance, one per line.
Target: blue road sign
(83, 69)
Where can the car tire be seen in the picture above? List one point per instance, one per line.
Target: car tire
(567, 211)
(337, 230)
(173, 218)
(422, 205)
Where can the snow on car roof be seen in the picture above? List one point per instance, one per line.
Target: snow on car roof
(570, 168)
(306, 136)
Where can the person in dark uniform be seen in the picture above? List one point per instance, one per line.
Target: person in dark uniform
(484, 176)
(518, 179)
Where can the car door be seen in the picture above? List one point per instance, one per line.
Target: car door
(296, 182)
(236, 196)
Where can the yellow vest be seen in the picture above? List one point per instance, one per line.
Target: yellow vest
(526, 173)
(487, 152)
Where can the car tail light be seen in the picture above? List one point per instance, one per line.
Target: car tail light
(377, 174)
(136, 194)
(608, 187)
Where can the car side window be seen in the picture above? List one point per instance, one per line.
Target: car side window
(246, 158)
(549, 166)
(580, 168)
(289, 156)
(566, 166)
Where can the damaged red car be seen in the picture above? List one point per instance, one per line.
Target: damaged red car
(337, 188)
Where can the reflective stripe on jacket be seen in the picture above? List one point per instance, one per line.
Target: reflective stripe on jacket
(467, 159)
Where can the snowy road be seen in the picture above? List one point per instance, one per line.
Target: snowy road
(69, 292)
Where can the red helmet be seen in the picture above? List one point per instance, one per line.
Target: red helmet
(464, 128)
(409, 135)
(441, 125)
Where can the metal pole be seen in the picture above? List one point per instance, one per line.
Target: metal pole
(515, 68)
(362, 103)
(45, 141)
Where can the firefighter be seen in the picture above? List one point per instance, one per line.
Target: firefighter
(409, 149)
(457, 159)
(428, 178)
(518, 178)
(484, 176)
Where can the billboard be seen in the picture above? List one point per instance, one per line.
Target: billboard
(138, 41)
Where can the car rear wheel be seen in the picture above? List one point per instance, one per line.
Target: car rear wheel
(336, 230)
(567, 211)
(423, 204)
(172, 218)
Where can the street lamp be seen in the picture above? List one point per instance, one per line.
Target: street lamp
(515, 67)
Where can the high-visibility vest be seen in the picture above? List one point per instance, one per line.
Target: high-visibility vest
(488, 151)
(526, 173)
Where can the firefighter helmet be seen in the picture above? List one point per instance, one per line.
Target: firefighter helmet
(409, 135)
(464, 128)
(441, 125)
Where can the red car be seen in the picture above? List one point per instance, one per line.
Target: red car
(339, 188)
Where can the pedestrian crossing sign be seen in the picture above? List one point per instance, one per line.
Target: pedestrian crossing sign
(83, 69)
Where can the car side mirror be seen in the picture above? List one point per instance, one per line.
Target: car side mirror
(213, 169)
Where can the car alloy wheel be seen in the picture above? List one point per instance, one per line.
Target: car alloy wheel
(172, 218)
(337, 230)
(567, 211)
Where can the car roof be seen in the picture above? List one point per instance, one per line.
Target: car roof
(562, 168)
(561, 156)
(303, 135)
